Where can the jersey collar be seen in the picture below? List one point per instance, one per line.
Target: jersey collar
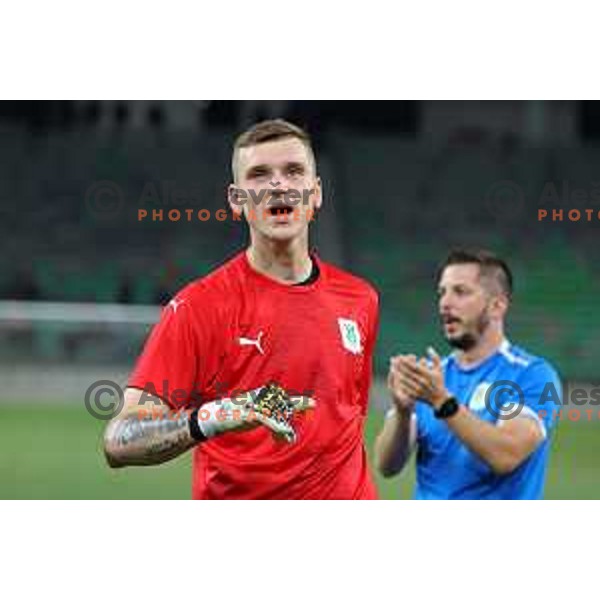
(500, 349)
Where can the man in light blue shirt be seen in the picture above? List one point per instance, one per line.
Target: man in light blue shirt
(477, 418)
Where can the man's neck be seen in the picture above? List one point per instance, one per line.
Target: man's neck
(487, 346)
(286, 263)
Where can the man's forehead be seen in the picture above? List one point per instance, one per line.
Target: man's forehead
(275, 152)
(465, 273)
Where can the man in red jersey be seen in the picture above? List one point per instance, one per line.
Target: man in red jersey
(274, 313)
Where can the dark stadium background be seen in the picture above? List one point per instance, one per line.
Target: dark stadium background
(81, 276)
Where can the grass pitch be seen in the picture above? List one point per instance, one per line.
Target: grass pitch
(54, 452)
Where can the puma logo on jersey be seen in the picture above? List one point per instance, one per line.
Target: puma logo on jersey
(244, 341)
(175, 304)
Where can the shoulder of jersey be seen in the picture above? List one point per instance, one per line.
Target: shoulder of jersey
(531, 365)
(219, 283)
(342, 278)
(516, 355)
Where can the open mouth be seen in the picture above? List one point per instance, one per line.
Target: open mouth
(450, 320)
(281, 210)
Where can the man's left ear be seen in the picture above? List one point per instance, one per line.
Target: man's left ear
(502, 302)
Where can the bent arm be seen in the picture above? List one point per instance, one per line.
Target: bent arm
(502, 446)
(395, 442)
(146, 434)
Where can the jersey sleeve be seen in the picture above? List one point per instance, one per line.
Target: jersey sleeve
(541, 394)
(370, 349)
(177, 358)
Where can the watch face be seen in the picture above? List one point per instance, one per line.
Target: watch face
(449, 408)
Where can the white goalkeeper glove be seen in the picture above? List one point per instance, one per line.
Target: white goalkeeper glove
(269, 406)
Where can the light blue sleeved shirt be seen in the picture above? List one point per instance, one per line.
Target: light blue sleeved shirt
(446, 468)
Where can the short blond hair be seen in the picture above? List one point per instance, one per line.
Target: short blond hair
(269, 131)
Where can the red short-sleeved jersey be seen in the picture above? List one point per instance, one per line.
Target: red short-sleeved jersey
(235, 330)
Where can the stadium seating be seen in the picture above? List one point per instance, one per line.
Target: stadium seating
(395, 207)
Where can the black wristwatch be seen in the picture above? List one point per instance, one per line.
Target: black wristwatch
(447, 409)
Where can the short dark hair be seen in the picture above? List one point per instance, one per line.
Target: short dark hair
(490, 266)
(270, 131)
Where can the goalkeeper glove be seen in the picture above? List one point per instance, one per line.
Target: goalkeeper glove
(270, 406)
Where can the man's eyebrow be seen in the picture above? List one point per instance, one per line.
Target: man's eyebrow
(295, 163)
(258, 169)
(452, 286)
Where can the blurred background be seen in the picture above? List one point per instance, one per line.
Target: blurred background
(82, 277)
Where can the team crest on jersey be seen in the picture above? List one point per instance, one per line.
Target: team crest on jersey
(350, 335)
(477, 401)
